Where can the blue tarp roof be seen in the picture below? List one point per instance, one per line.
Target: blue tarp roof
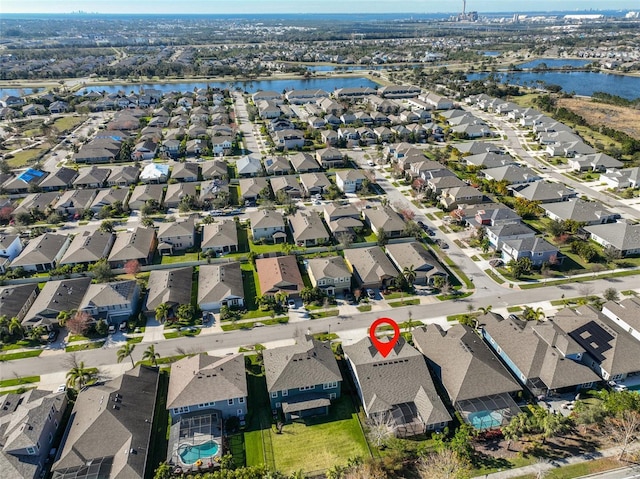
(31, 175)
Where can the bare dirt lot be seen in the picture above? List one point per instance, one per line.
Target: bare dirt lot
(617, 117)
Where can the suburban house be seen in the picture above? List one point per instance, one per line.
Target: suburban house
(267, 225)
(623, 236)
(35, 201)
(384, 218)
(621, 179)
(537, 249)
(155, 173)
(308, 229)
(42, 253)
(121, 410)
(279, 274)
(304, 163)
(249, 166)
(451, 198)
(488, 214)
(330, 158)
(215, 170)
(594, 162)
(474, 378)
(371, 268)
(28, 424)
(88, 247)
(15, 301)
(251, 189)
(114, 302)
(397, 387)
(488, 159)
(144, 150)
(277, 165)
(138, 244)
(587, 212)
(625, 314)
(108, 197)
(342, 219)
(611, 350)
(176, 236)
(61, 179)
(55, 297)
(511, 174)
(220, 285)
(74, 202)
(498, 234)
(314, 183)
(171, 287)
(302, 379)
(220, 237)
(540, 355)
(288, 184)
(93, 177)
(10, 246)
(143, 193)
(176, 192)
(349, 181)
(203, 384)
(414, 256)
(330, 274)
(438, 184)
(185, 171)
(543, 192)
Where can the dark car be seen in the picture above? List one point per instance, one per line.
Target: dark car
(514, 317)
(52, 336)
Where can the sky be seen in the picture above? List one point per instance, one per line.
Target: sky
(304, 6)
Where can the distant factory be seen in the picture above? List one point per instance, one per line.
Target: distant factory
(465, 16)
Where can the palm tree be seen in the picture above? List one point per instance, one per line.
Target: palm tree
(63, 316)
(485, 309)
(280, 297)
(79, 376)
(162, 311)
(410, 275)
(151, 355)
(126, 350)
(16, 326)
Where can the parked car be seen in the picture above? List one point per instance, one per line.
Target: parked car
(291, 303)
(123, 326)
(514, 317)
(52, 336)
(371, 294)
(112, 329)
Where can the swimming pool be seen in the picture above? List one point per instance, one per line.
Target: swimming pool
(190, 454)
(485, 419)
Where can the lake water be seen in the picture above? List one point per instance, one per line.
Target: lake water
(333, 68)
(327, 84)
(556, 62)
(490, 53)
(582, 83)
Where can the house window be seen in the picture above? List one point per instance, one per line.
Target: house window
(240, 412)
(332, 385)
(55, 423)
(332, 396)
(31, 451)
(285, 392)
(181, 409)
(307, 388)
(230, 401)
(274, 394)
(241, 400)
(277, 404)
(50, 438)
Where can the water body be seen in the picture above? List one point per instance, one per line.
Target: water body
(556, 62)
(490, 53)
(333, 68)
(582, 83)
(327, 84)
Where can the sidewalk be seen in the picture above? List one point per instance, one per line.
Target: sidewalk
(535, 468)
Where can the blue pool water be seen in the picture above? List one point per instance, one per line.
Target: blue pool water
(190, 454)
(485, 419)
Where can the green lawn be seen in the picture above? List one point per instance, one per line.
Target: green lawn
(23, 354)
(364, 308)
(24, 157)
(243, 239)
(324, 314)
(160, 426)
(494, 276)
(317, 444)
(19, 381)
(84, 347)
(406, 302)
(179, 334)
(67, 123)
(580, 470)
(251, 285)
(181, 258)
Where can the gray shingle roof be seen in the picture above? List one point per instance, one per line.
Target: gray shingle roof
(307, 363)
(134, 244)
(41, 250)
(13, 298)
(203, 379)
(172, 286)
(465, 364)
(328, 267)
(219, 234)
(622, 236)
(401, 377)
(579, 210)
(219, 281)
(384, 218)
(307, 226)
(56, 296)
(122, 433)
(88, 247)
(370, 264)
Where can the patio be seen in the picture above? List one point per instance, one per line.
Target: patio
(488, 412)
(192, 430)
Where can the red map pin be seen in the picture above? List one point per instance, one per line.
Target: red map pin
(384, 347)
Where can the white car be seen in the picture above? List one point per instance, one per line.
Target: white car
(62, 388)
(371, 163)
(620, 388)
(291, 303)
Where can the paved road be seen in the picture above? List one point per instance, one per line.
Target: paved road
(632, 472)
(246, 127)
(354, 326)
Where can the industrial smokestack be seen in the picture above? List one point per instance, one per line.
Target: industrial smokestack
(464, 7)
